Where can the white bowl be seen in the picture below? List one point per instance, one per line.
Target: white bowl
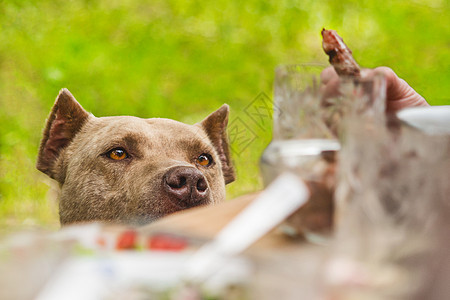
(432, 119)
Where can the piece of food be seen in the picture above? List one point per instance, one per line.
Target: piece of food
(127, 240)
(164, 242)
(340, 55)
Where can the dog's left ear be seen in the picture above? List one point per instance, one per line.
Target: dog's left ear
(65, 121)
(215, 126)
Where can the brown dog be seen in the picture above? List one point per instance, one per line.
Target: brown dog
(131, 170)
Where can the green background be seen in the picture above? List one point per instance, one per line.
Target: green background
(182, 60)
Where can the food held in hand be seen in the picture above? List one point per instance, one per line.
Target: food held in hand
(340, 55)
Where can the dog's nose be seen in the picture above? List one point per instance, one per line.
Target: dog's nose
(187, 185)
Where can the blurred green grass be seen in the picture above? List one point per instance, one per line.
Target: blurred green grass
(182, 60)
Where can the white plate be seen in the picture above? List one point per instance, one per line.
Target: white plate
(432, 119)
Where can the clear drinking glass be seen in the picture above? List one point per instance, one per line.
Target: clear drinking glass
(307, 124)
(392, 235)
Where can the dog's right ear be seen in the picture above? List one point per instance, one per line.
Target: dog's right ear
(215, 126)
(65, 120)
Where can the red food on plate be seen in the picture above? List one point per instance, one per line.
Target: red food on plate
(165, 242)
(126, 240)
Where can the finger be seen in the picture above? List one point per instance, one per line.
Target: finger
(396, 88)
(399, 94)
(330, 90)
(328, 74)
(367, 73)
(394, 84)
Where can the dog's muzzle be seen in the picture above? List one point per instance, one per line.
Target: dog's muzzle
(187, 185)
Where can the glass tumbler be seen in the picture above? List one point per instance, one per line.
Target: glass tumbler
(394, 214)
(308, 119)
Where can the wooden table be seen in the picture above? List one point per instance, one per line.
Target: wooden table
(285, 267)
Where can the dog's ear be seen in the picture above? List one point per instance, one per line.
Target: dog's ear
(65, 120)
(215, 126)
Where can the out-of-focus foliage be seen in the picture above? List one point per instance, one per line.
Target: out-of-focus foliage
(182, 60)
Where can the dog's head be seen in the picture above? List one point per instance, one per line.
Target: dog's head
(128, 169)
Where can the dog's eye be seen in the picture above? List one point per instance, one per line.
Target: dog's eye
(204, 160)
(117, 154)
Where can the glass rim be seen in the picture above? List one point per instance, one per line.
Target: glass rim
(284, 69)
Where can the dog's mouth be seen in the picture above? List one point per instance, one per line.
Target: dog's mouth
(155, 208)
(190, 202)
(179, 189)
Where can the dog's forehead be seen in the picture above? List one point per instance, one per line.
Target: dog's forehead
(152, 129)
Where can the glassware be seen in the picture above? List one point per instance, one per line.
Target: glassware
(307, 123)
(391, 239)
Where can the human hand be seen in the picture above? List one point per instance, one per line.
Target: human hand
(399, 94)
